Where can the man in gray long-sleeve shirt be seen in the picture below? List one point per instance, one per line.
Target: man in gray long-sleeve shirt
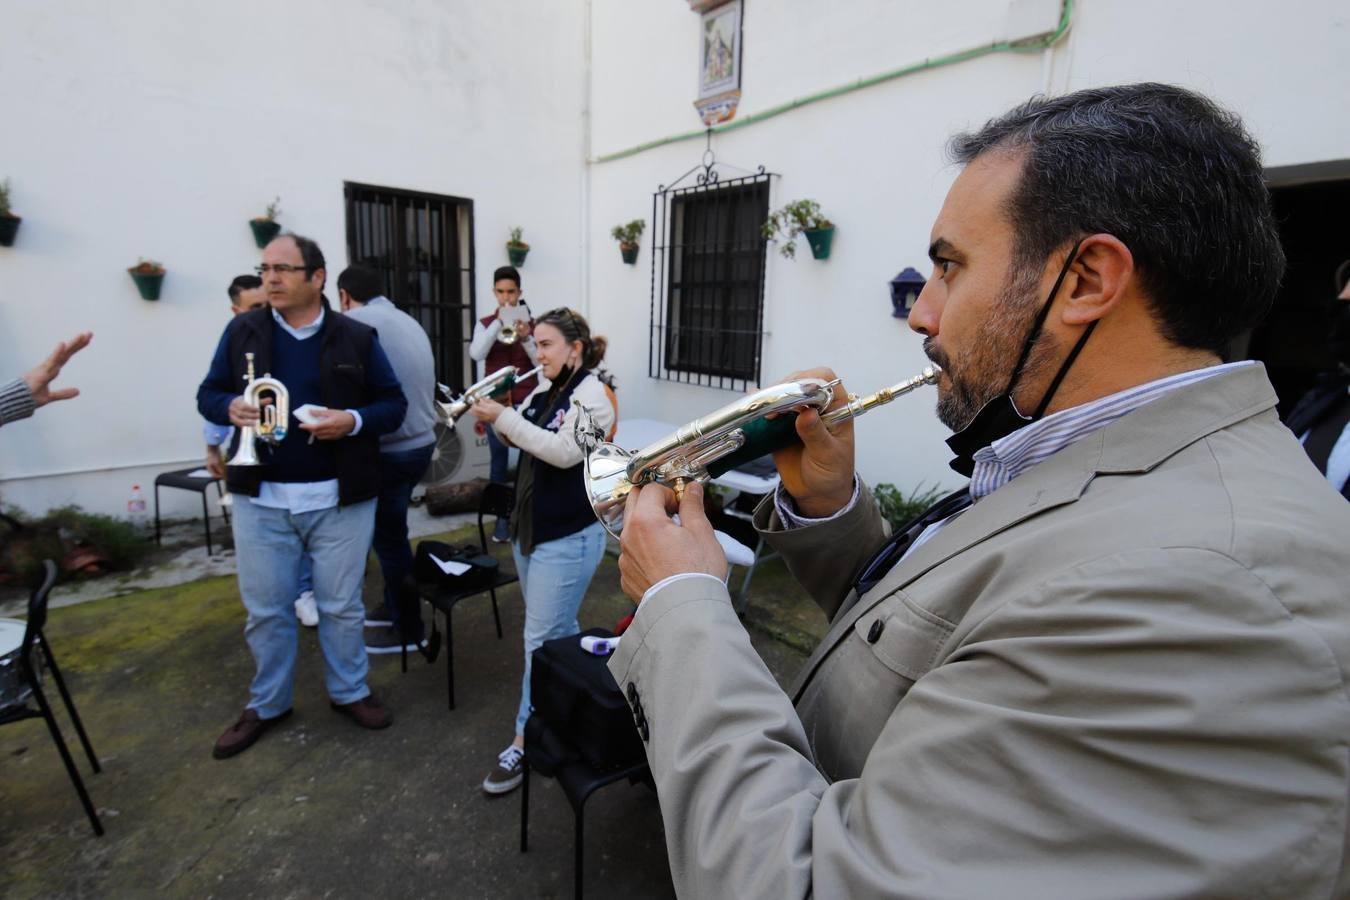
(21, 397)
(404, 455)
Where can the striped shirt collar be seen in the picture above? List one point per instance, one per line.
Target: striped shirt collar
(1010, 456)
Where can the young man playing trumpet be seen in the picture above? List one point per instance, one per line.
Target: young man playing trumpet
(490, 347)
(313, 493)
(1123, 670)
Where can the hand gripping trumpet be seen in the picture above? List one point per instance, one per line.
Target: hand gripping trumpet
(716, 443)
(495, 385)
(511, 317)
(272, 420)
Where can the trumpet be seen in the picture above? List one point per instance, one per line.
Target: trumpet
(716, 443)
(272, 420)
(510, 332)
(495, 385)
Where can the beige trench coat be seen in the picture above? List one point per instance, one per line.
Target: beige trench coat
(1121, 675)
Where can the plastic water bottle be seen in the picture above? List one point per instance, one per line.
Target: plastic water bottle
(136, 511)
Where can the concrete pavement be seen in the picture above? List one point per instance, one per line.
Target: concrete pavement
(319, 807)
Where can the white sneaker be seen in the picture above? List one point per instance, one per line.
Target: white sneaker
(306, 610)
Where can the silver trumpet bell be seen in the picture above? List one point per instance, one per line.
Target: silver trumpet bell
(511, 317)
(716, 443)
(272, 420)
(496, 384)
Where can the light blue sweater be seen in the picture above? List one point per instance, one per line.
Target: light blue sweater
(409, 352)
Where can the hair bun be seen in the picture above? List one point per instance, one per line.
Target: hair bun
(596, 351)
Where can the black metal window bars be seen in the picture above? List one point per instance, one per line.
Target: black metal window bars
(423, 246)
(707, 293)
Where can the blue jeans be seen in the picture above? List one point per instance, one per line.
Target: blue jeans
(399, 473)
(269, 545)
(554, 578)
(306, 575)
(500, 456)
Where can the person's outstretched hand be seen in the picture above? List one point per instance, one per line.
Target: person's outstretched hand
(41, 376)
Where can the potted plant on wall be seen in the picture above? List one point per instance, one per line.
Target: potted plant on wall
(800, 217)
(266, 226)
(516, 248)
(9, 223)
(627, 236)
(148, 275)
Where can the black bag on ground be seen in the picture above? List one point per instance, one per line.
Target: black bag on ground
(482, 569)
(578, 700)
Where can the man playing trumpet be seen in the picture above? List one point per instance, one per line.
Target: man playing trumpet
(1122, 671)
(314, 492)
(490, 347)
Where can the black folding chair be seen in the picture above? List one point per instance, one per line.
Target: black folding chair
(16, 709)
(578, 780)
(183, 479)
(497, 500)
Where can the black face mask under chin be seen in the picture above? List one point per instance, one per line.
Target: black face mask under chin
(999, 417)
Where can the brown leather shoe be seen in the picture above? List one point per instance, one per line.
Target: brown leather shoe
(366, 712)
(244, 733)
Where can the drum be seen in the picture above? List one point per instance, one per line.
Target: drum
(14, 690)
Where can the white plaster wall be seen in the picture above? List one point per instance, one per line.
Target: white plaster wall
(144, 128)
(147, 129)
(874, 157)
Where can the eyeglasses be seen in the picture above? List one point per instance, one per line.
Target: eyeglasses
(280, 269)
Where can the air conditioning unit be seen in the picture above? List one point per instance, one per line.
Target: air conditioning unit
(461, 454)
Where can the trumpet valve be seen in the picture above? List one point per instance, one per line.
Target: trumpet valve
(728, 443)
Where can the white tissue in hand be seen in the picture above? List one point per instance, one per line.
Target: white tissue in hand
(737, 553)
(306, 413)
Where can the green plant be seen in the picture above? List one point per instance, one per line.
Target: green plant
(4, 198)
(516, 238)
(629, 234)
(147, 267)
(273, 210)
(792, 219)
(898, 509)
(109, 543)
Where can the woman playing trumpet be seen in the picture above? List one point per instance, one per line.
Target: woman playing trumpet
(555, 538)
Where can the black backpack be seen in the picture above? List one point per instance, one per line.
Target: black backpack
(579, 711)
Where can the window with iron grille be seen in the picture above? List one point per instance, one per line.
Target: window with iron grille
(708, 281)
(422, 245)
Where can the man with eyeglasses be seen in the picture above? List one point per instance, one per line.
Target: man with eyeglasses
(314, 492)
(1118, 665)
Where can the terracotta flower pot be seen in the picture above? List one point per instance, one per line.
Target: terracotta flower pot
(9, 226)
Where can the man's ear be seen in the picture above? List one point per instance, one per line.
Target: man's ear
(1102, 274)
